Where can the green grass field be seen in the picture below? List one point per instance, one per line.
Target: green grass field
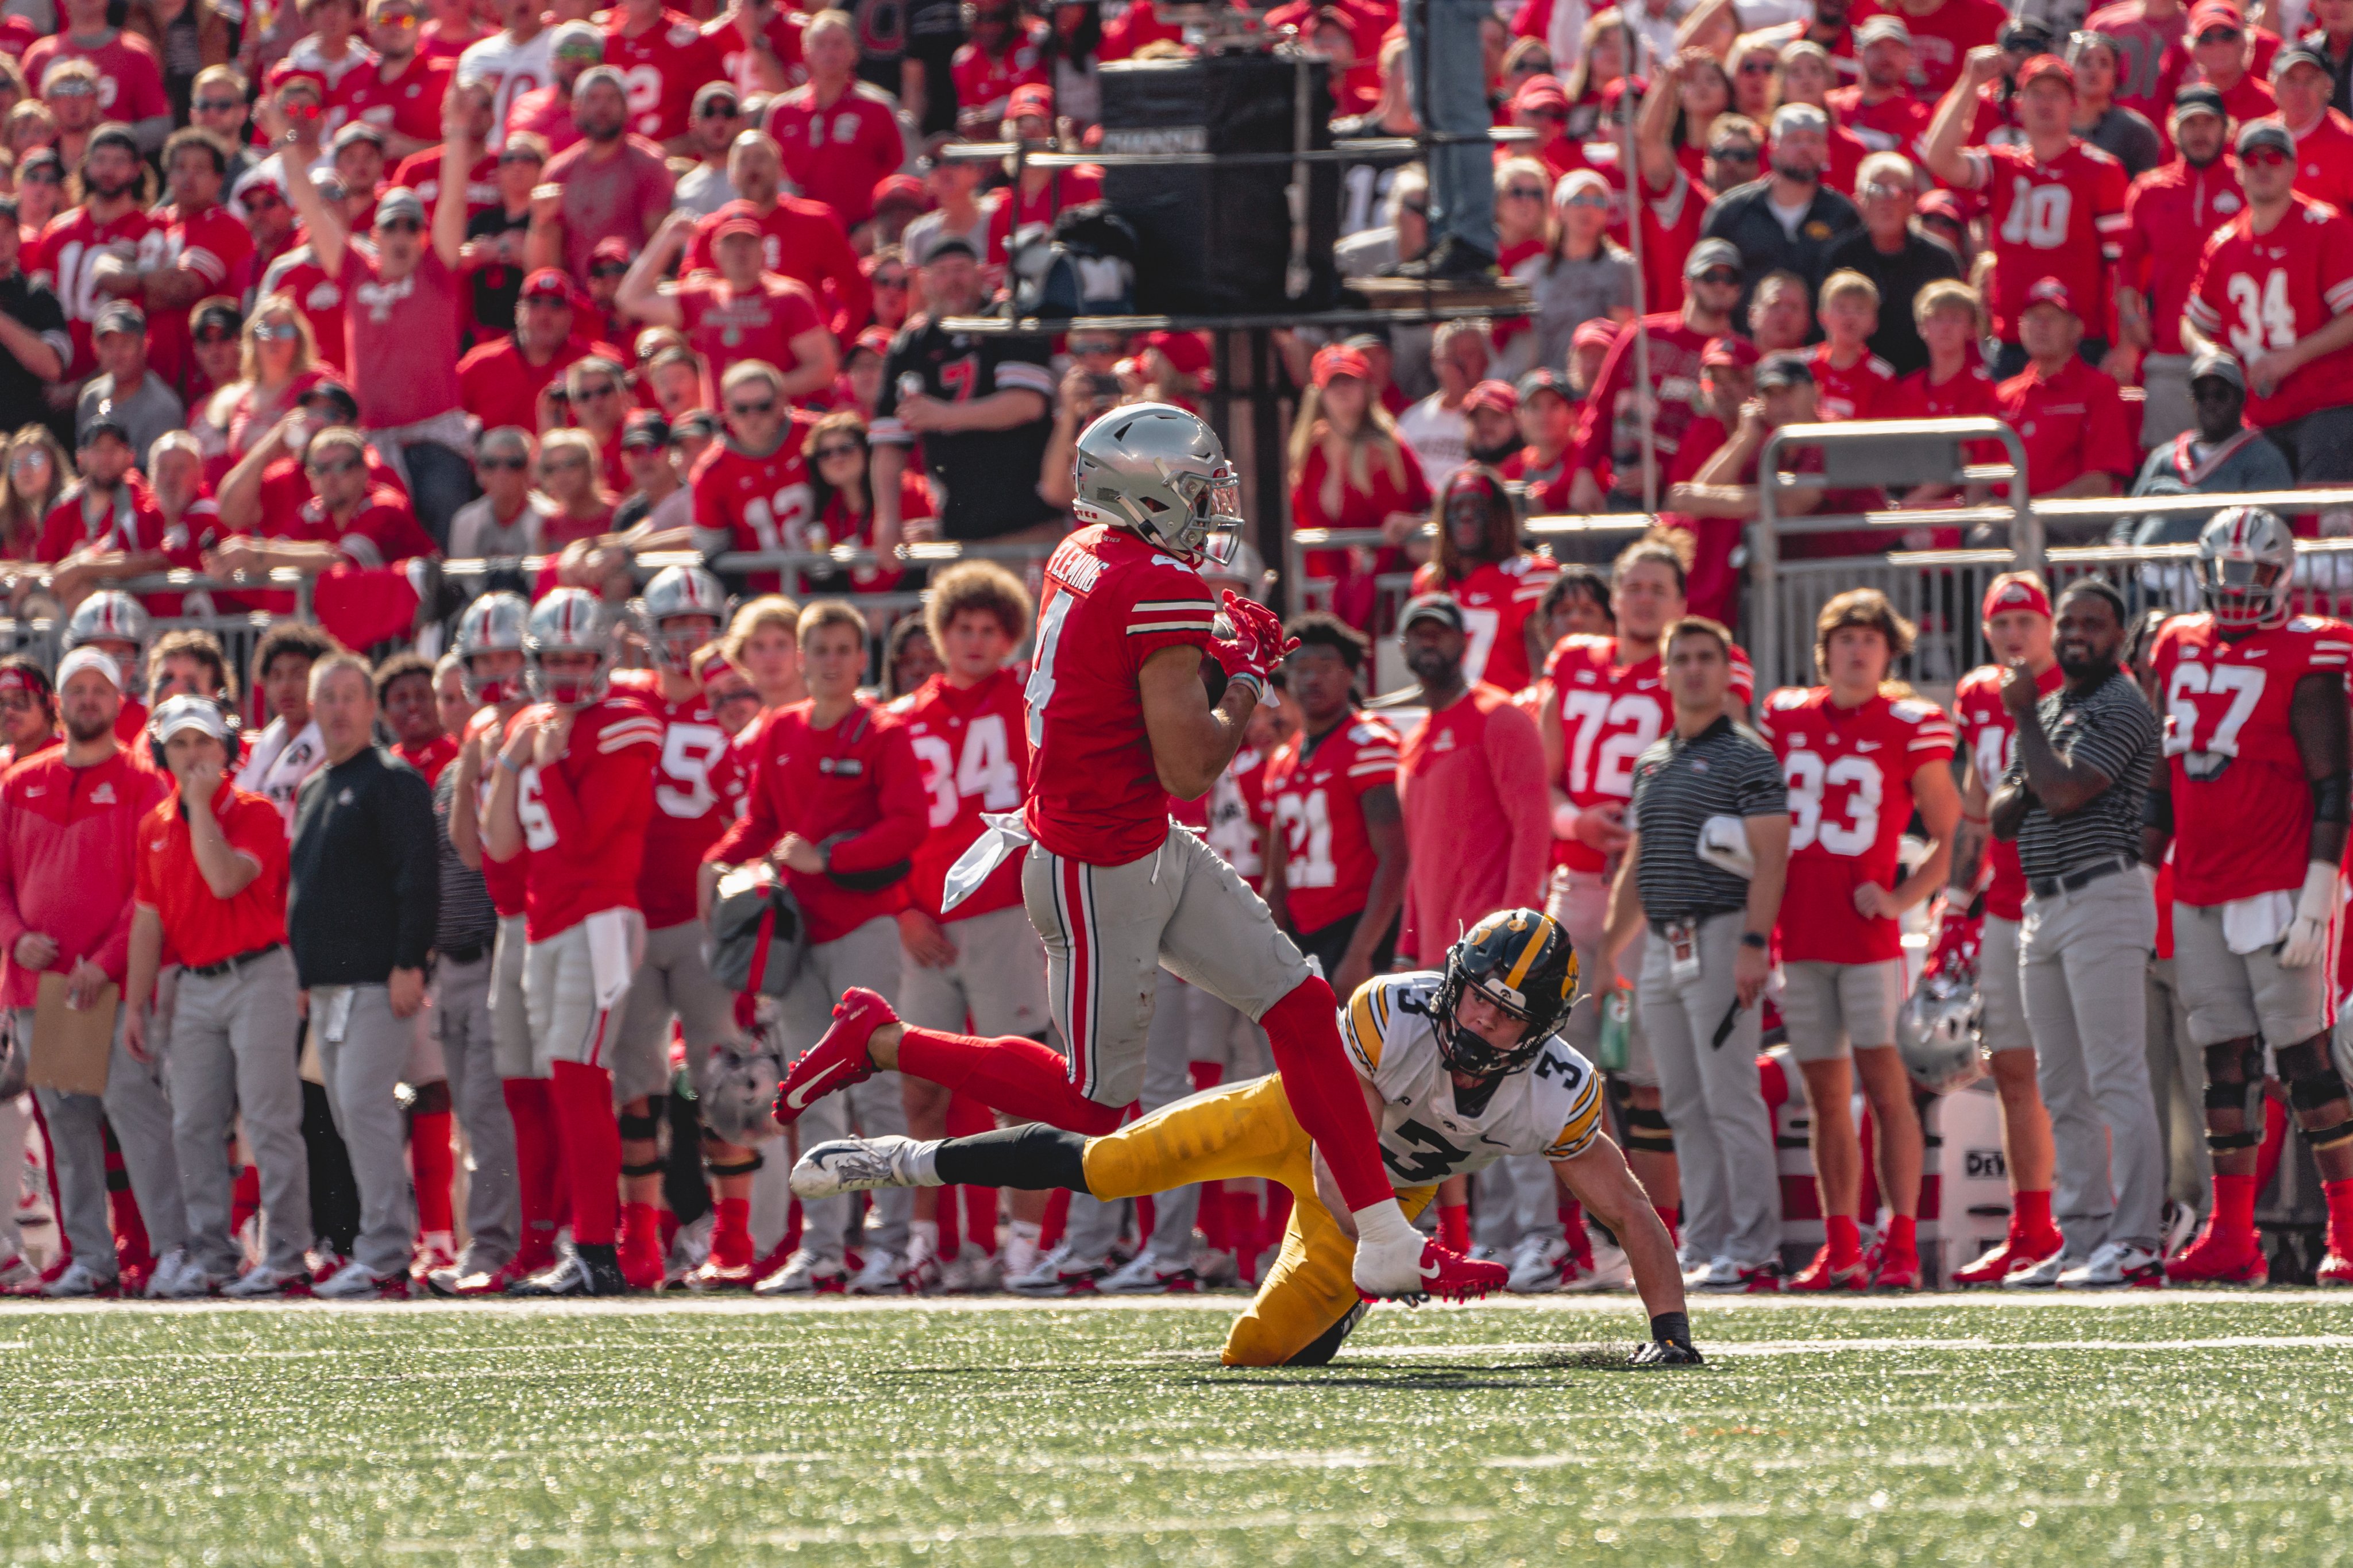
(2179, 1429)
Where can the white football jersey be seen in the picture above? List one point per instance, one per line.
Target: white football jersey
(1553, 1107)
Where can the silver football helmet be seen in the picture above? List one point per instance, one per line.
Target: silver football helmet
(2246, 564)
(737, 1090)
(1936, 1031)
(491, 624)
(1159, 471)
(678, 591)
(111, 616)
(568, 621)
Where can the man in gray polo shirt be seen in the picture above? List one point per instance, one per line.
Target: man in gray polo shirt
(2073, 802)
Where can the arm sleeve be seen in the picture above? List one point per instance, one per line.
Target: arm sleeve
(905, 810)
(1516, 763)
(406, 823)
(12, 918)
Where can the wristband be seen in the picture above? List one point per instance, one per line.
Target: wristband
(510, 764)
(1245, 677)
(1755, 940)
(1670, 1328)
(1564, 820)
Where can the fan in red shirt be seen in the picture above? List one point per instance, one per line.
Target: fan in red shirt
(664, 56)
(1711, 277)
(129, 80)
(1850, 381)
(1005, 52)
(1335, 856)
(1349, 469)
(2016, 617)
(803, 239)
(1480, 565)
(751, 487)
(2143, 32)
(352, 529)
(1041, 193)
(2057, 202)
(108, 509)
(1880, 109)
(475, 104)
(2302, 80)
(401, 91)
(1859, 759)
(207, 249)
(2277, 289)
(1943, 33)
(2215, 49)
(838, 135)
(2070, 418)
(1952, 384)
(499, 382)
(2254, 733)
(1546, 417)
(574, 786)
(740, 313)
(2194, 194)
(87, 254)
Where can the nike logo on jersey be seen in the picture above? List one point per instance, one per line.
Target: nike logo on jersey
(799, 1100)
(1866, 746)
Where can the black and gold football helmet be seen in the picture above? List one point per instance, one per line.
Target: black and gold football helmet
(1521, 962)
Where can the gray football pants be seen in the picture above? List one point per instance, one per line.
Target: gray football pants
(135, 1103)
(230, 1061)
(1709, 1091)
(461, 1012)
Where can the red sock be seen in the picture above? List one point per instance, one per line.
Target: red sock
(2340, 1215)
(2234, 1203)
(1572, 1231)
(537, 1161)
(1324, 1091)
(1058, 1215)
(2029, 1213)
(131, 1246)
(435, 1164)
(583, 1098)
(1669, 1217)
(244, 1198)
(1903, 1236)
(979, 1217)
(1454, 1227)
(641, 1228)
(731, 1233)
(1845, 1241)
(1027, 1080)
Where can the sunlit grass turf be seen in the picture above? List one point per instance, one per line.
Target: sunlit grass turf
(2187, 1429)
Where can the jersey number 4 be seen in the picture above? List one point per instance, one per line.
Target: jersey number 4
(1041, 689)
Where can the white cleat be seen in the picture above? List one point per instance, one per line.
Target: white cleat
(80, 1282)
(879, 1275)
(1146, 1275)
(168, 1272)
(804, 1273)
(1214, 1268)
(855, 1165)
(1540, 1265)
(1020, 1254)
(971, 1270)
(1059, 1273)
(1611, 1271)
(263, 1283)
(354, 1282)
(2040, 1276)
(2117, 1266)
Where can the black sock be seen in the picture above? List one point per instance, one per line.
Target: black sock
(597, 1252)
(1032, 1157)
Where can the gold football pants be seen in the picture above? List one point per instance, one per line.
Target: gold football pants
(1226, 1135)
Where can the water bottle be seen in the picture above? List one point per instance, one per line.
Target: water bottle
(1617, 1010)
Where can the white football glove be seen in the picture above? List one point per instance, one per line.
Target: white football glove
(2307, 934)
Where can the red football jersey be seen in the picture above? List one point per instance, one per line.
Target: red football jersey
(505, 880)
(1990, 735)
(1314, 792)
(2241, 806)
(661, 67)
(409, 103)
(1896, 124)
(984, 83)
(1943, 39)
(421, 172)
(1231, 824)
(1609, 714)
(1497, 598)
(755, 503)
(838, 154)
(584, 819)
(217, 246)
(2324, 161)
(2258, 292)
(972, 743)
(802, 240)
(695, 792)
(1863, 390)
(1848, 769)
(129, 78)
(725, 327)
(66, 256)
(1111, 602)
(2064, 219)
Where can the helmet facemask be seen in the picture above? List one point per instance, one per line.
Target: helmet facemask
(675, 642)
(2243, 592)
(1464, 1050)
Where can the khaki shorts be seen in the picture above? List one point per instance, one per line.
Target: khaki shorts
(1826, 1008)
(1110, 929)
(2004, 1025)
(1578, 901)
(575, 1006)
(672, 982)
(2235, 995)
(997, 979)
(509, 1013)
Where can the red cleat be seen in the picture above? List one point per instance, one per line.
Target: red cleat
(2220, 1257)
(2017, 1251)
(1821, 1274)
(1893, 1270)
(1450, 1277)
(838, 1060)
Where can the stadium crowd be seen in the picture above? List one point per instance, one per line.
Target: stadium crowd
(353, 293)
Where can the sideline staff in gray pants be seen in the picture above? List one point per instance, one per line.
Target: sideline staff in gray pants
(2073, 801)
(1710, 818)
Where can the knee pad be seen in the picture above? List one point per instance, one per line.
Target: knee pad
(743, 1167)
(641, 1167)
(2323, 1088)
(2312, 1077)
(643, 1129)
(2224, 1142)
(2239, 1060)
(1648, 1130)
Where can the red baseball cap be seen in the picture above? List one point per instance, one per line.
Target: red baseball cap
(1032, 98)
(550, 283)
(2215, 14)
(873, 340)
(1943, 204)
(1600, 331)
(2050, 291)
(2040, 66)
(611, 248)
(285, 71)
(1495, 394)
(735, 223)
(2014, 593)
(1334, 361)
(1730, 350)
(1186, 350)
(1541, 92)
(899, 188)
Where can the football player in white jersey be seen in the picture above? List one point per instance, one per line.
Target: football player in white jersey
(1459, 1068)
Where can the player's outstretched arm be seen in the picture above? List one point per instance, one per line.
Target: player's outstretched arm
(1597, 1178)
(1192, 741)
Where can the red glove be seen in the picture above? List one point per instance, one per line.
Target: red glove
(1956, 942)
(1258, 644)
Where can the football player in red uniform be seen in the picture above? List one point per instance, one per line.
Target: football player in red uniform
(1609, 701)
(1858, 754)
(1335, 848)
(1120, 718)
(835, 801)
(2016, 618)
(685, 607)
(980, 961)
(1481, 563)
(2254, 800)
(574, 785)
